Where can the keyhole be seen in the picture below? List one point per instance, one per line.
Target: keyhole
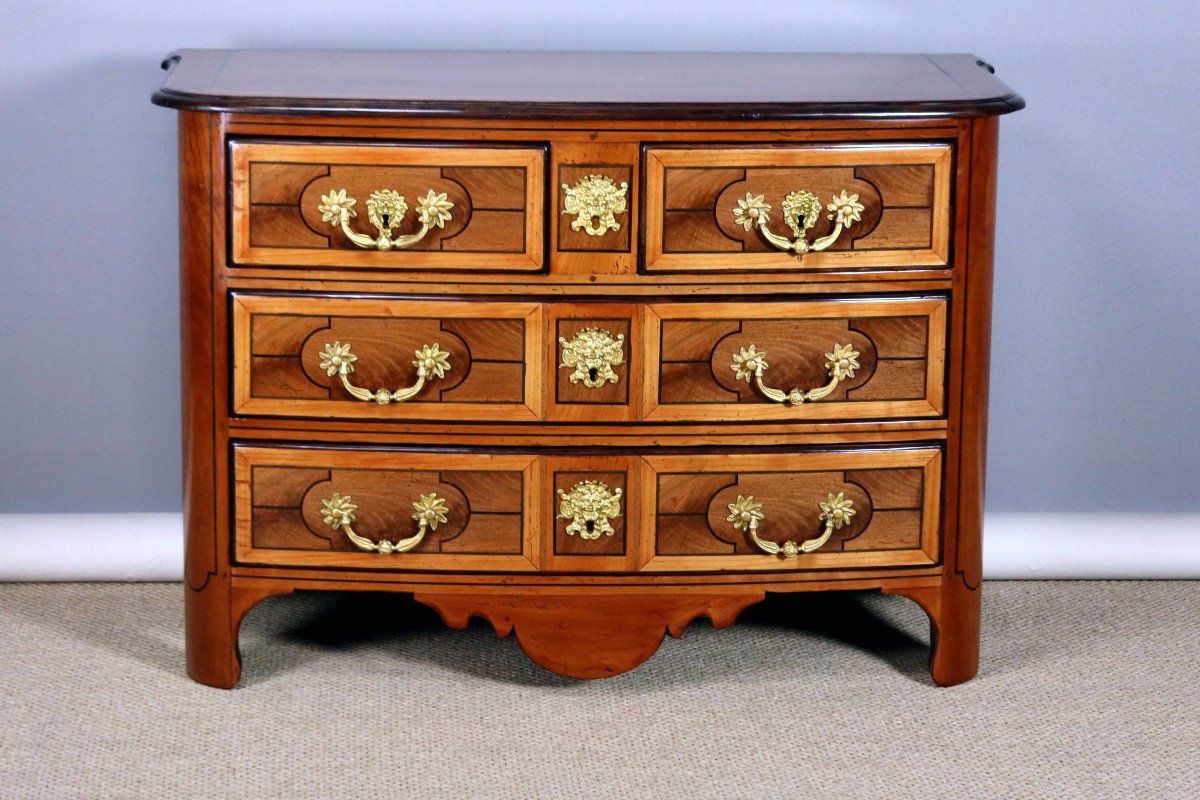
(591, 377)
(385, 217)
(591, 526)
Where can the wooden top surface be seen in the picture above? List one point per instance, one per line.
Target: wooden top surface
(549, 85)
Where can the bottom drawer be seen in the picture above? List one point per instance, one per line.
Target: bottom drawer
(811, 510)
(384, 509)
(622, 513)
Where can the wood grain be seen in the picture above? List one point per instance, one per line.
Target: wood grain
(495, 357)
(680, 377)
(589, 636)
(577, 392)
(678, 87)
(709, 434)
(954, 607)
(210, 622)
(574, 249)
(265, 433)
(612, 402)
(685, 500)
(574, 544)
(496, 222)
(901, 343)
(566, 553)
(487, 495)
(691, 194)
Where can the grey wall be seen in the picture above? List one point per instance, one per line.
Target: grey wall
(1095, 388)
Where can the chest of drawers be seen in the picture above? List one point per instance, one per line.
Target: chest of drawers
(586, 358)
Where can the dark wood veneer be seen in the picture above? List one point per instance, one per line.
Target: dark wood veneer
(585, 85)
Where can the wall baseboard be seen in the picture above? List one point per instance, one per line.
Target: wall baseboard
(149, 547)
(91, 547)
(1091, 546)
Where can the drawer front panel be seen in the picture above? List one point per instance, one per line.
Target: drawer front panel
(591, 507)
(849, 207)
(891, 498)
(293, 507)
(294, 356)
(595, 361)
(617, 514)
(803, 361)
(587, 514)
(747, 362)
(482, 207)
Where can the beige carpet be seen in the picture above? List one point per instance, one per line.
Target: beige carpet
(1088, 690)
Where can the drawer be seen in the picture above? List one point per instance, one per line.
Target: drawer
(821, 207)
(364, 509)
(796, 361)
(839, 509)
(355, 508)
(801, 361)
(595, 213)
(357, 358)
(395, 207)
(335, 358)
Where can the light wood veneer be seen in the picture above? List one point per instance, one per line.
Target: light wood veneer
(496, 220)
(904, 188)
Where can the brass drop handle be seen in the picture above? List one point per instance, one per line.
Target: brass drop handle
(431, 362)
(593, 201)
(338, 512)
(801, 210)
(385, 210)
(750, 363)
(746, 513)
(592, 353)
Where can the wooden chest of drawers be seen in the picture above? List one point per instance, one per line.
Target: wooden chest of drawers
(587, 359)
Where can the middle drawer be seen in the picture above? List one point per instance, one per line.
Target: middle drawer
(511, 361)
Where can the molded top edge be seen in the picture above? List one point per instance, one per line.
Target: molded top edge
(582, 85)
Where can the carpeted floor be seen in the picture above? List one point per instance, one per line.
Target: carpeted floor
(1088, 690)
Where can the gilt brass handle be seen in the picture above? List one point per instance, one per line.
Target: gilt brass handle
(801, 209)
(338, 512)
(589, 505)
(746, 513)
(385, 210)
(749, 364)
(592, 353)
(593, 201)
(431, 362)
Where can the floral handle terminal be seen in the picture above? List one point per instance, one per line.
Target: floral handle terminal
(746, 512)
(431, 362)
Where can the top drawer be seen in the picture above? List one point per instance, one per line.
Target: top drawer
(444, 207)
(821, 207)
